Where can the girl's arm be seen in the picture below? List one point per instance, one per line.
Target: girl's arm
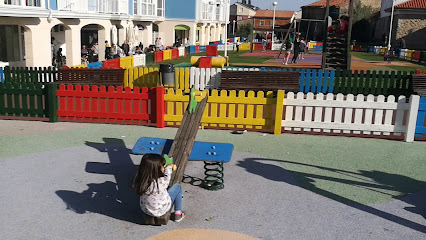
(168, 173)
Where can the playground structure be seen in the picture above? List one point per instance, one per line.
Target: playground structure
(184, 148)
(212, 59)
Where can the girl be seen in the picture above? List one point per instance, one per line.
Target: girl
(151, 183)
(287, 50)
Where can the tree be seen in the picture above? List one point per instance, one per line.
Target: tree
(244, 30)
(364, 19)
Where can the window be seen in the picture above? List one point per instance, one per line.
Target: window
(160, 8)
(135, 7)
(148, 7)
(204, 11)
(271, 23)
(262, 23)
(240, 10)
(218, 13)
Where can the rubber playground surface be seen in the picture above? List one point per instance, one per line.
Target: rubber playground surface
(71, 181)
(313, 60)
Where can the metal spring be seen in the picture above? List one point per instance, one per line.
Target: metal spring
(214, 175)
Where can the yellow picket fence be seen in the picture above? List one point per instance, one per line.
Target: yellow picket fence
(126, 62)
(167, 55)
(141, 77)
(225, 109)
(149, 77)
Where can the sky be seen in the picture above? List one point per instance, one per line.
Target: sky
(292, 5)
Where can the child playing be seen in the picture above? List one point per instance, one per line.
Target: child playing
(151, 183)
(287, 51)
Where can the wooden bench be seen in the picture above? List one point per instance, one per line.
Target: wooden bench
(260, 81)
(84, 76)
(419, 84)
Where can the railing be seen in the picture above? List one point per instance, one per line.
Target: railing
(27, 3)
(98, 6)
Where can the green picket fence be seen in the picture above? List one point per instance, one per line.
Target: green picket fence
(373, 82)
(30, 74)
(28, 100)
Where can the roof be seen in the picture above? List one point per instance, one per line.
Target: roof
(248, 6)
(270, 14)
(323, 3)
(413, 4)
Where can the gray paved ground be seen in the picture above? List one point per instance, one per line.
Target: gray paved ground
(83, 193)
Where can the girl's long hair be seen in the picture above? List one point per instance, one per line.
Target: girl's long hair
(149, 171)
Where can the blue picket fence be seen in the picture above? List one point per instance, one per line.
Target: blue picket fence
(420, 125)
(191, 49)
(1, 75)
(95, 65)
(316, 81)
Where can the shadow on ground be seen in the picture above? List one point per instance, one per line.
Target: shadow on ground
(379, 181)
(115, 200)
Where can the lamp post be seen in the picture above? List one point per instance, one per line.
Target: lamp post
(390, 28)
(233, 28)
(227, 5)
(274, 4)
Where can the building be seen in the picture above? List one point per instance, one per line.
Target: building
(196, 21)
(29, 29)
(240, 11)
(409, 23)
(263, 21)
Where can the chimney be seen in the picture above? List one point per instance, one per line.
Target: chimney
(244, 1)
(249, 2)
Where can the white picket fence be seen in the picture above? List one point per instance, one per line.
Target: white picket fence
(276, 46)
(350, 114)
(242, 69)
(205, 78)
(181, 51)
(139, 60)
(230, 47)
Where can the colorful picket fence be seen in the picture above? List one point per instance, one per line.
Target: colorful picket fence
(316, 81)
(225, 109)
(30, 74)
(112, 105)
(28, 100)
(353, 115)
(141, 77)
(1, 75)
(373, 82)
(421, 119)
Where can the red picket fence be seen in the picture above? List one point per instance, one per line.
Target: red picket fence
(197, 48)
(357, 49)
(175, 53)
(112, 63)
(420, 72)
(112, 105)
(158, 57)
(416, 56)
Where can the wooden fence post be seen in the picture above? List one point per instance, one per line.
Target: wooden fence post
(412, 118)
(52, 102)
(160, 104)
(279, 112)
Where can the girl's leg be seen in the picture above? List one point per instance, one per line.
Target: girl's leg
(175, 193)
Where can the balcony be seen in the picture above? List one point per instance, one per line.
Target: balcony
(94, 6)
(22, 3)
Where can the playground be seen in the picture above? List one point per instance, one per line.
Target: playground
(72, 179)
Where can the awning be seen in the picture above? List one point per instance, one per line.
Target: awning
(182, 27)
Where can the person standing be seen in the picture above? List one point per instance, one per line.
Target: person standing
(238, 45)
(126, 48)
(302, 48)
(296, 48)
(107, 50)
(263, 45)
